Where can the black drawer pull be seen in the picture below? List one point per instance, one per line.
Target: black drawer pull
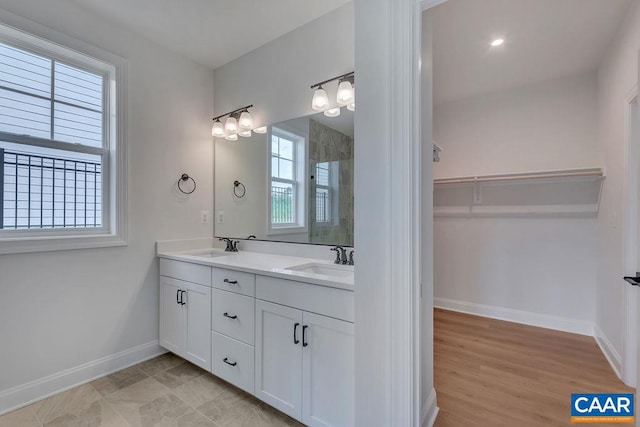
(225, 360)
(182, 297)
(230, 317)
(231, 282)
(295, 334)
(304, 336)
(178, 296)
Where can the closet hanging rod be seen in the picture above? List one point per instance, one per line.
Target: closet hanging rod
(591, 172)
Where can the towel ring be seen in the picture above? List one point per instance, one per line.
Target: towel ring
(237, 184)
(183, 178)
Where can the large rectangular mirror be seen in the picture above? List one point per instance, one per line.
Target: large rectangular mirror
(292, 184)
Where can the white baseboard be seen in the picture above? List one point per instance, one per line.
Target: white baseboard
(609, 351)
(429, 410)
(25, 394)
(528, 318)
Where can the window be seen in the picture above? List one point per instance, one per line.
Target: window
(61, 161)
(286, 183)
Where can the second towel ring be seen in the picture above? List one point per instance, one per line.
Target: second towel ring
(236, 190)
(184, 178)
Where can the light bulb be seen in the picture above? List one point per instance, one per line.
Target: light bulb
(245, 133)
(345, 93)
(262, 129)
(332, 112)
(497, 42)
(351, 107)
(218, 129)
(231, 137)
(320, 99)
(231, 125)
(246, 121)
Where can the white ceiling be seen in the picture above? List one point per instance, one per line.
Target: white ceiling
(544, 39)
(211, 32)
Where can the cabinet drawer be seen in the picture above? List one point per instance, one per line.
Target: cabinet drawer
(233, 315)
(234, 281)
(239, 366)
(323, 300)
(194, 273)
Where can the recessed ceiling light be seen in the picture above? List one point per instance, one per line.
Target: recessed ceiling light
(497, 42)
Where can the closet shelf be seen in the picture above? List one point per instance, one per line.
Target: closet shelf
(553, 193)
(552, 174)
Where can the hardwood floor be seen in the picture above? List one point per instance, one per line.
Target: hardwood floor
(492, 373)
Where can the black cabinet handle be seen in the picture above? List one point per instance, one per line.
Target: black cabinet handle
(230, 317)
(634, 281)
(231, 282)
(182, 297)
(178, 296)
(295, 334)
(304, 336)
(225, 360)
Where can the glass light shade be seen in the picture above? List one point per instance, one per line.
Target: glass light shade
(246, 121)
(262, 129)
(351, 107)
(245, 133)
(231, 137)
(231, 125)
(345, 93)
(218, 129)
(320, 99)
(332, 112)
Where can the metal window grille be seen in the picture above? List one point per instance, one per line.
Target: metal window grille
(49, 192)
(281, 203)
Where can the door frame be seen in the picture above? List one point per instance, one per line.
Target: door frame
(629, 368)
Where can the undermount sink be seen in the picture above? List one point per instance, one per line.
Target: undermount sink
(334, 270)
(209, 254)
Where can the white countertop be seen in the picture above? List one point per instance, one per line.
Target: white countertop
(266, 265)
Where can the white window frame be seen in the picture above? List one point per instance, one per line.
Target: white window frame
(299, 182)
(329, 190)
(58, 47)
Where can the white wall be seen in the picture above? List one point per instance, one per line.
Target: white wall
(534, 270)
(617, 75)
(547, 125)
(276, 77)
(60, 310)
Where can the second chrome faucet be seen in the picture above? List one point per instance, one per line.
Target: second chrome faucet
(341, 256)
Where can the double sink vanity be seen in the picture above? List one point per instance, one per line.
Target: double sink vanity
(278, 327)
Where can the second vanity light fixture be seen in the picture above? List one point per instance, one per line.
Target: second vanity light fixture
(345, 96)
(239, 122)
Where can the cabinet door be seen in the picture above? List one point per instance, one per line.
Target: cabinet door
(170, 315)
(197, 327)
(278, 357)
(327, 372)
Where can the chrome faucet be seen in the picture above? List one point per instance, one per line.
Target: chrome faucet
(341, 256)
(232, 246)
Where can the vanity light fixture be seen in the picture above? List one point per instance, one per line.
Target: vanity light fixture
(261, 129)
(218, 129)
(352, 106)
(345, 91)
(332, 112)
(238, 122)
(320, 99)
(231, 125)
(345, 95)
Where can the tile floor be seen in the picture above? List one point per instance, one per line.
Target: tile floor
(165, 391)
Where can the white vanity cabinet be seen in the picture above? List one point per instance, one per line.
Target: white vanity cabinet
(185, 311)
(304, 360)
